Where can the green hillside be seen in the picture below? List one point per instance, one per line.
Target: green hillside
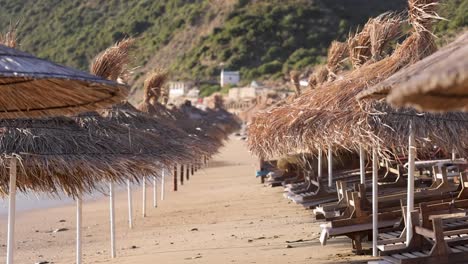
(261, 38)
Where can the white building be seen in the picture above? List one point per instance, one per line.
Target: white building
(178, 89)
(229, 77)
(249, 92)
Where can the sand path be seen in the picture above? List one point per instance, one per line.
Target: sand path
(222, 215)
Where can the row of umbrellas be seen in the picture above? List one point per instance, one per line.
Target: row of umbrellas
(346, 111)
(95, 137)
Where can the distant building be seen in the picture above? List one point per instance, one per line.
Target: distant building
(249, 92)
(229, 77)
(179, 89)
(193, 93)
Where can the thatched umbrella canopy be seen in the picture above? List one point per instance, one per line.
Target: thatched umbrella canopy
(436, 83)
(57, 155)
(268, 131)
(329, 115)
(223, 119)
(33, 87)
(172, 141)
(186, 129)
(201, 120)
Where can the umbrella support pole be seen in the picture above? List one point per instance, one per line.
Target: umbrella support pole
(130, 206)
(375, 201)
(155, 192)
(79, 232)
(187, 172)
(362, 165)
(330, 167)
(143, 210)
(319, 164)
(163, 184)
(112, 219)
(175, 178)
(181, 174)
(410, 200)
(192, 169)
(262, 163)
(11, 211)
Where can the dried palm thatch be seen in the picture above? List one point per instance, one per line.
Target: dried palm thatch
(382, 31)
(329, 114)
(145, 147)
(185, 130)
(422, 14)
(188, 129)
(294, 76)
(201, 120)
(56, 155)
(359, 46)
(368, 45)
(337, 52)
(144, 134)
(32, 87)
(112, 63)
(154, 85)
(319, 76)
(9, 38)
(171, 142)
(436, 83)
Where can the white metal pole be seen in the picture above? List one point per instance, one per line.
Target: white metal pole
(130, 204)
(155, 192)
(163, 183)
(330, 167)
(11, 211)
(362, 164)
(375, 201)
(112, 219)
(319, 165)
(144, 197)
(410, 200)
(454, 154)
(79, 215)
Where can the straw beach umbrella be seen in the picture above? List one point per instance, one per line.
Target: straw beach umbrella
(436, 83)
(158, 143)
(56, 155)
(182, 122)
(329, 116)
(33, 87)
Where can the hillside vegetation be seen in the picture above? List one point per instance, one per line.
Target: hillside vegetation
(195, 38)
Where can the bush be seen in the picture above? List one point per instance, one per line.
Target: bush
(270, 68)
(209, 89)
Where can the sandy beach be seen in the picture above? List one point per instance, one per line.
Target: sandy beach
(221, 215)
